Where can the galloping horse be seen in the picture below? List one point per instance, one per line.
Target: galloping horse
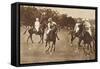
(83, 35)
(79, 34)
(32, 31)
(51, 37)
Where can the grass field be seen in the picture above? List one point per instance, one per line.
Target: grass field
(35, 53)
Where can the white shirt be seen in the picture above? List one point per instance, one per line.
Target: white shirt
(88, 27)
(51, 24)
(37, 25)
(76, 28)
(87, 24)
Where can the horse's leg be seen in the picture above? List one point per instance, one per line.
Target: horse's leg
(72, 38)
(51, 50)
(48, 47)
(93, 45)
(87, 49)
(57, 36)
(40, 39)
(45, 47)
(54, 45)
(79, 43)
(46, 44)
(28, 39)
(31, 38)
(90, 48)
(84, 48)
(25, 31)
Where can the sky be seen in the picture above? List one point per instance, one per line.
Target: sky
(74, 12)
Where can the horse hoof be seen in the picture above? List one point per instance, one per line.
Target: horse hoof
(39, 42)
(42, 42)
(46, 51)
(71, 44)
(76, 51)
(45, 45)
(29, 48)
(51, 53)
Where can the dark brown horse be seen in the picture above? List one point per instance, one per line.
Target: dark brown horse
(32, 31)
(84, 36)
(51, 38)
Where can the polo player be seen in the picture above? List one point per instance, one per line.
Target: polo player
(49, 27)
(37, 24)
(87, 26)
(77, 28)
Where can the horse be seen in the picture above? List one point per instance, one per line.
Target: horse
(51, 37)
(78, 34)
(84, 36)
(88, 39)
(32, 31)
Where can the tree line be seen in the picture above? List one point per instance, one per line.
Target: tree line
(29, 14)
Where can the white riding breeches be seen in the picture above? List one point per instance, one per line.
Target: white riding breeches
(76, 27)
(37, 25)
(37, 28)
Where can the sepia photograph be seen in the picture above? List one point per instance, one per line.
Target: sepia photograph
(56, 34)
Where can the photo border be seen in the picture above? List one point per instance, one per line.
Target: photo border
(58, 6)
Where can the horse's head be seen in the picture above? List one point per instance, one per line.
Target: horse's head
(54, 28)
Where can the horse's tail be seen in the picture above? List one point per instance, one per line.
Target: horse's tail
(25, 32)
